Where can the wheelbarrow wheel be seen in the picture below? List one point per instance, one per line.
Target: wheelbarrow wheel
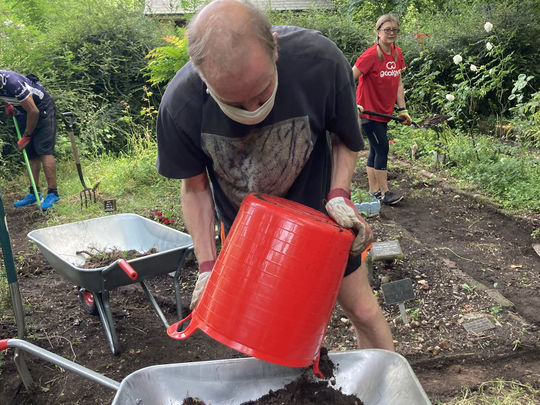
(87, 301)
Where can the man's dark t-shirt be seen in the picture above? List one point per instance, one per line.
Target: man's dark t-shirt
(288, 154)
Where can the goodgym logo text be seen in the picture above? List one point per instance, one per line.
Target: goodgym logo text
(391, 70)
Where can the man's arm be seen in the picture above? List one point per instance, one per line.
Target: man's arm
(199, 216)
(339, 206)
(32, 115)
(343, 164)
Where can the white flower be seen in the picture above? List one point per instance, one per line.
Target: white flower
(474, 68)
(8, 22)
(450, 97)
(488, 26)
(489, 46)
(457, 59)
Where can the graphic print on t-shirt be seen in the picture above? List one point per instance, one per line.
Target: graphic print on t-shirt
(266, 160)
(390, 69)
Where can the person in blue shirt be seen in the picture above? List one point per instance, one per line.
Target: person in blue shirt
(26, 99)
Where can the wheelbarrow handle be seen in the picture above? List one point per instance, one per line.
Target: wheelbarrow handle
(60, 361)
(131, 273)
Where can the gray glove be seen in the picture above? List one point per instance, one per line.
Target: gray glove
(342, 210)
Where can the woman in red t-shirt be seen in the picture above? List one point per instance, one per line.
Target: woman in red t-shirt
(378, 71)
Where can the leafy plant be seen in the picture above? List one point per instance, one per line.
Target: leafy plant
(414, 313)
(495, 309)
(467, 288)
(165, 61)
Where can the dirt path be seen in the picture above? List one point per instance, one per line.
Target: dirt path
(469, 264)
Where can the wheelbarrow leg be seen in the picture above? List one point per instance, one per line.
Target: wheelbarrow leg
(102, 302)
(19, 357)
(176, 283)
(156, 307)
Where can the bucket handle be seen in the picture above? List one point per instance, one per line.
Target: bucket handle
(175, 332)
(316, 370)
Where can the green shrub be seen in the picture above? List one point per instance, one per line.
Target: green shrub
(165, 61)
(350, 37)
(90, 56)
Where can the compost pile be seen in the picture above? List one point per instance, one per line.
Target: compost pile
(305, 390)
(98, 258)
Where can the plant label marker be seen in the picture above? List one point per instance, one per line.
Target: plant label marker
(383, 251)
(478, 325)
(387, 250)
(109, 205)
(397, 292)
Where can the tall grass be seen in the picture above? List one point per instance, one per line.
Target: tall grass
(497, 392)
(131, 180)
(505, 172)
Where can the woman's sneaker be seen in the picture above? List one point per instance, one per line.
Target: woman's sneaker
(27, 200)
(390, 198)
(50, 200)
(376, 195)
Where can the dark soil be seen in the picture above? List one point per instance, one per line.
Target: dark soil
(305, 390)
(468, 261)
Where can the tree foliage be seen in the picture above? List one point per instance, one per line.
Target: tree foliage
(90, 56)
(97, 56)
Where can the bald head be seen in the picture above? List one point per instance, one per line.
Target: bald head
(223, 36)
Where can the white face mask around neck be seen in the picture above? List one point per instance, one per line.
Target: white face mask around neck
(243, 116)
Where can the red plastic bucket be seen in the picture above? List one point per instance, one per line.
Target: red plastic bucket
(275, 283)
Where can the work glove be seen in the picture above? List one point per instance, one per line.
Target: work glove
(406, 117)
(205, 270)
(23, 142)
(360, 108)
(9, 109)
(342, 210)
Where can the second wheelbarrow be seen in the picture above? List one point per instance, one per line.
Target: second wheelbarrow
(63, 246)
(375, 376)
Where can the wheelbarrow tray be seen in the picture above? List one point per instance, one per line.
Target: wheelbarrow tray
(60, 245)
(377, 377)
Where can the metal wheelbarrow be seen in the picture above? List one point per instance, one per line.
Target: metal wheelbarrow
(376, 376)
(62, 246)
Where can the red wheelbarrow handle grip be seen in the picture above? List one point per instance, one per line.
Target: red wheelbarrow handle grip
(3, 344)
(132, 274)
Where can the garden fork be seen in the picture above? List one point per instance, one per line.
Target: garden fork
(87, 193)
